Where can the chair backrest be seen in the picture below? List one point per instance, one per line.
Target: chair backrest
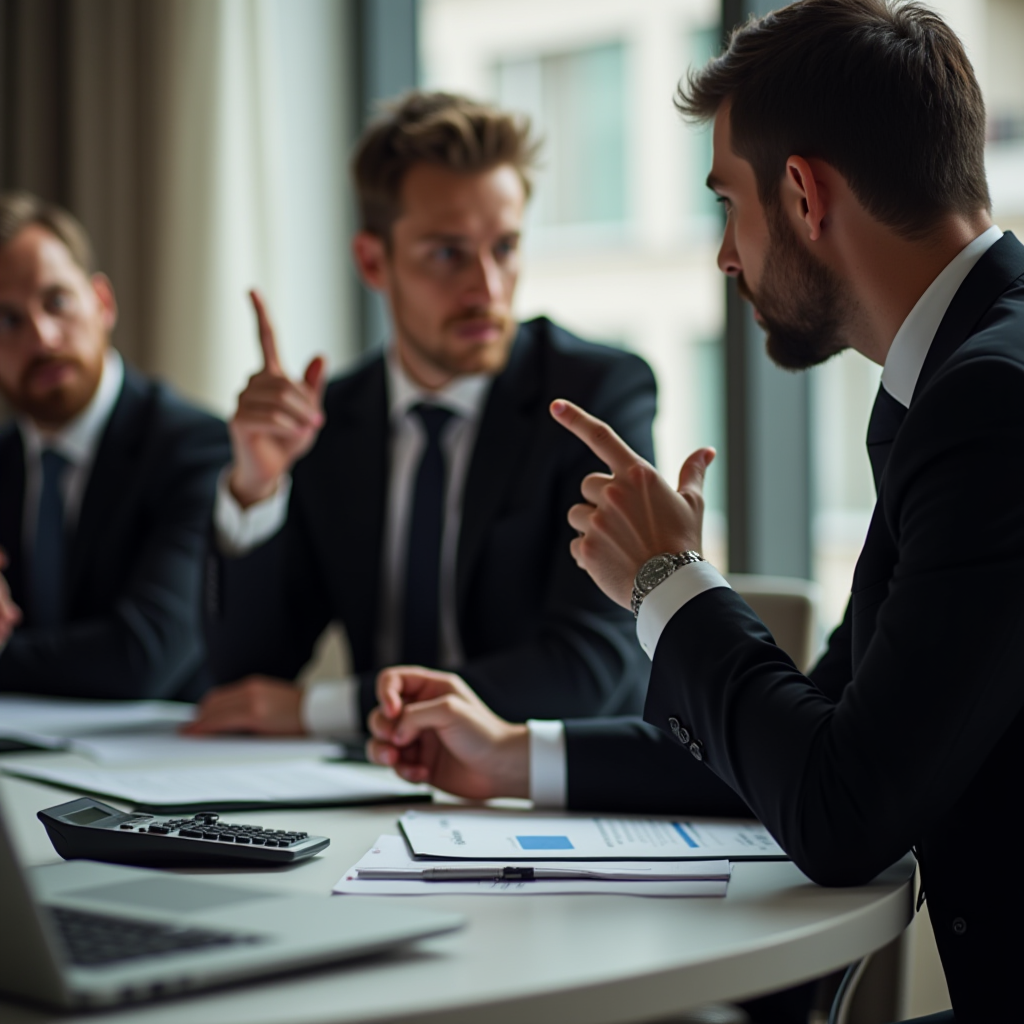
(788, 607)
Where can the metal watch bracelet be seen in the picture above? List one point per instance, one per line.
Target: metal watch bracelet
(655, 571)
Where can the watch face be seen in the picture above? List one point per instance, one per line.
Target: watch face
(653, 571)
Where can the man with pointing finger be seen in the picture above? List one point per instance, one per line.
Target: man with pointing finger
(849, 156)
(420, 500)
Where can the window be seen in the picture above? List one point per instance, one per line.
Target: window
(577, 101)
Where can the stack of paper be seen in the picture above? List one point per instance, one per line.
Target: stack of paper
(389, 870)
(52, 721)
(496, 835)
(184, 789)
(139, 731)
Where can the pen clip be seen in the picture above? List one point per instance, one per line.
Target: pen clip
(513, 874)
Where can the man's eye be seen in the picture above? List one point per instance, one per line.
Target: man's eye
(505, 248)
(445, 254)
(725, 203)
(58, 302)
(8, 321)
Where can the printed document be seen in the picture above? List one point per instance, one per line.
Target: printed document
(496, 835)
(391, 855)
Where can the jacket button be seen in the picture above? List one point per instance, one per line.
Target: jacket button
(959, 926)
(697, 749)
(673, 724)
(684, 735)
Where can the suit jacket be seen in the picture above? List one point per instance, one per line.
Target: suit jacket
(134, 564)
(539, 638)
(909, 733)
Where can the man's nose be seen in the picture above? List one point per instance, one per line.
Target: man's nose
(487, 283)
(728, 258)
(44, 331)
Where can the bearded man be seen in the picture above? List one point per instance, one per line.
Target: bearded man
(106, 484)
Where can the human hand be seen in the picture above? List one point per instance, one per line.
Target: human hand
(431, 727)
(256, 704)
(630, 514)
(10, 613)
(277, 419)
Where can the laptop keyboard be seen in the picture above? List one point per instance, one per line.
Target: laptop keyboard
(93, 940)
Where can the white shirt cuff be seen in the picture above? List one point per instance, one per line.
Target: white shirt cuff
(330, 708)
(668, 597)
(547, 763)
(238, 529)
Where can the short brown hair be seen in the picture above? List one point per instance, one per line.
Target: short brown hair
(434, 128)
(20, 209)
(882, 91)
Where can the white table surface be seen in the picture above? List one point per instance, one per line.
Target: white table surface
(558, 959)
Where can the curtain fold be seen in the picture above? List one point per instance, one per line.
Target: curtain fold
(204, 145)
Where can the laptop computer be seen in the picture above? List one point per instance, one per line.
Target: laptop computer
(81, 934)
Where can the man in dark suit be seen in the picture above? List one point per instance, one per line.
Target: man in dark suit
(106, 484)
(849, 153)
(421, 501)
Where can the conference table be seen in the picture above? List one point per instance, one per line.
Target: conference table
(573, 959)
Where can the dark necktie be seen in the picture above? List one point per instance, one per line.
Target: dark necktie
(47, 568)
(421, 618)
(886, 418)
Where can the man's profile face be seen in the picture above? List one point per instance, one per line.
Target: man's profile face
(802, 304)
(451, 269)
(54, 326)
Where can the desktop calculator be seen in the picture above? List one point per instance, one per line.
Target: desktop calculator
(91, 830)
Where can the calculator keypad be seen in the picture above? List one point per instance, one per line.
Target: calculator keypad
(246, 835)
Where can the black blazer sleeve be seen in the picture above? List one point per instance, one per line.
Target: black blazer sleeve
(847, 785)
(623, 764)
(146, 641)
(584, 658)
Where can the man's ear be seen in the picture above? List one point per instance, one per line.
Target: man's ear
(370, 254)
(104, 292)
(804, 195)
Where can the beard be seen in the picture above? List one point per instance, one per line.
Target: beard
(443, 351)
(54, 407)
(804, 306)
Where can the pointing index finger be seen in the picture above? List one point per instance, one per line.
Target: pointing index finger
(595, 434)
(268, 342)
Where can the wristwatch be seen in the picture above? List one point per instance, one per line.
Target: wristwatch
(656, 570)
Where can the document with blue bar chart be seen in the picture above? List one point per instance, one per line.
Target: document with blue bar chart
(491, 834)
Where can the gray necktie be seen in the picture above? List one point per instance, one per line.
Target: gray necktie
(46, 571)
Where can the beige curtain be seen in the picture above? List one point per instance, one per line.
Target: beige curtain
(204, 145)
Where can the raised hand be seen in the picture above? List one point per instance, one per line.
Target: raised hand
(277, 419)
(630, 514)
(431, 727)
(10, 613)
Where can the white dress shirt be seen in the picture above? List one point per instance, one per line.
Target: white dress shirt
(899, 377)
(78, 441)
(331, 707)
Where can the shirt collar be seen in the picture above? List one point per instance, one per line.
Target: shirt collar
(464, 396)
(78, 440)
(914, 338)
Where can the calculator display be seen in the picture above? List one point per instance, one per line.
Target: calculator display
(86, 816)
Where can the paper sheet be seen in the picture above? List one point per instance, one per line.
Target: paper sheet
(51, 721)
(226, 787)
(391, 852)
(170, 747)
(481, 834)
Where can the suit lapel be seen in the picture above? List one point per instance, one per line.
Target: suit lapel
(997, 269)
(115, 462)
(12, 502)
(352, 477)
(506, 428)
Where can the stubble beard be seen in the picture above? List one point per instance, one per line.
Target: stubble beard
(805, 307)
(488, 358)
